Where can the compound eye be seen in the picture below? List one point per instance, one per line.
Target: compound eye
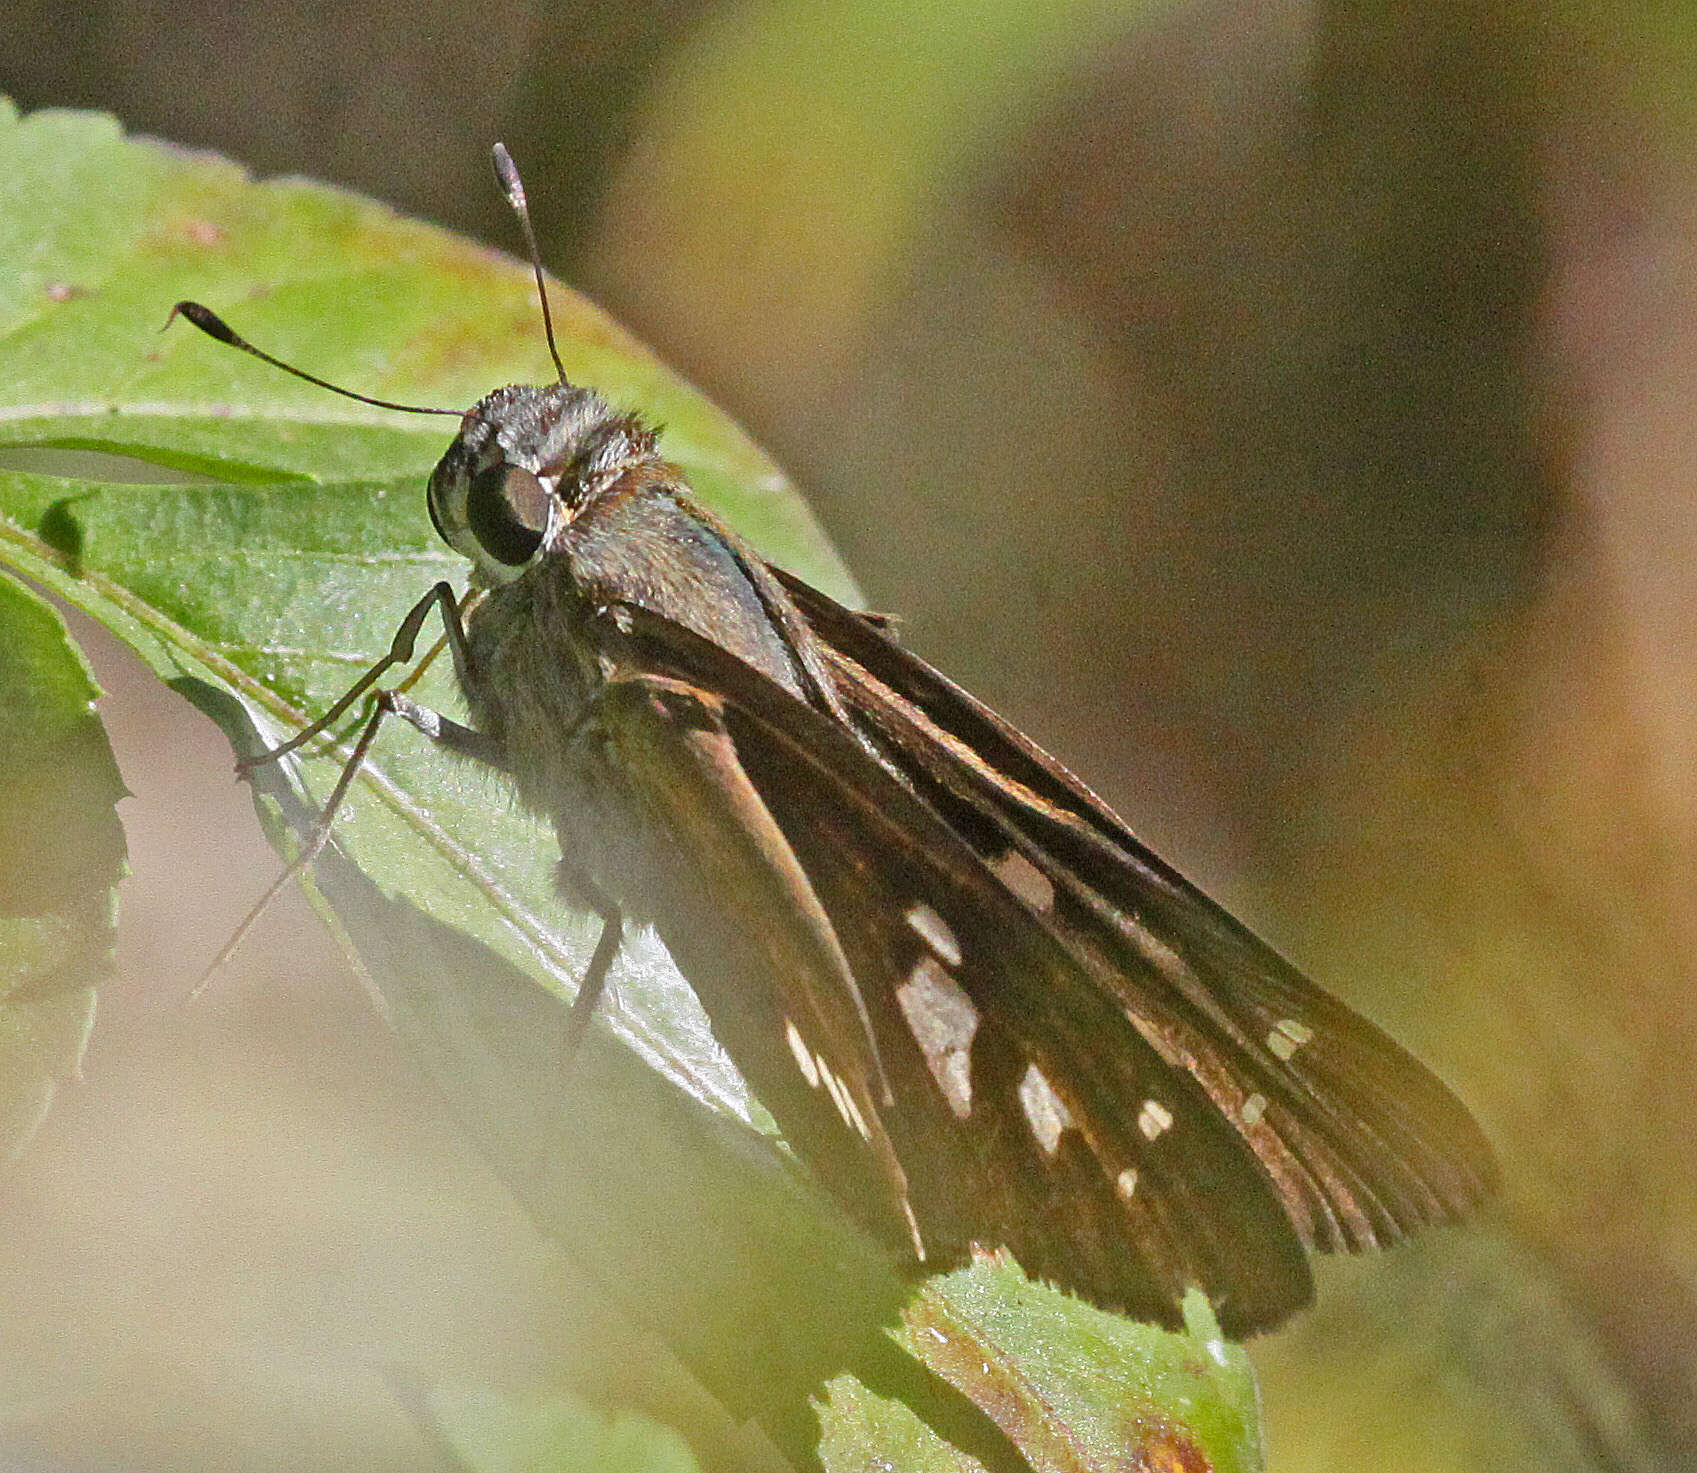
(506, 508)
(436, 516)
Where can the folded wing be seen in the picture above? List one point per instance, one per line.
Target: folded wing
(1025, 1106)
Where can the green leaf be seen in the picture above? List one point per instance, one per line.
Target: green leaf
(280, 567)
(1072, 1387)
(257, 541)
(63, 854)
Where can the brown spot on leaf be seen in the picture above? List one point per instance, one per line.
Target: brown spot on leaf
(1163, 1448)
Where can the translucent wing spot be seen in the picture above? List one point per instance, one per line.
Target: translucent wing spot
(855, 1118)
(935, 932)
(913, 1229)
(842, 1098)
(943, 1021)
(1044, 1110)
(1287, 1036)
(1154, 1119)
(1126, 1184)
(838, 1098)
(1253, 1109)
(817, 1072)
(803, 1054)
(1028, 882)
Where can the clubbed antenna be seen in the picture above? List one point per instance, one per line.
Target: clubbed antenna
(513, 187)
(214, 326)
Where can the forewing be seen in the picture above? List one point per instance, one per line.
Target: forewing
(1364, 1142)
(1026, 1110)
(736, 910)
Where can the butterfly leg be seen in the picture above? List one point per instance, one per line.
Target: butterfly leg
(583, 891)
(591, 896)
(400, 651)
(464, 741)
(386, 703)
(580, 889)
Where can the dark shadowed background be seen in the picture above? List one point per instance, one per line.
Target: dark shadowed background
(1284, 412)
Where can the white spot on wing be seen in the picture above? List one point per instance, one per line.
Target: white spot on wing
(1287, 1036)
(1126, 1183)
(856, 1119)
(943, 1021)
(817, 1072)
(1253, 1109)
(1154, 1119)
(936, 933)
(913, 1229)
(839, 1095)
(803, 1054)
(1044, 1110)
(843, 1098)
(1028, 882)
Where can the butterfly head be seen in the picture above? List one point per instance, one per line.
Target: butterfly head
(527, 459)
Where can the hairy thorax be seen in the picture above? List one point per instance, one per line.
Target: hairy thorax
(544, 645)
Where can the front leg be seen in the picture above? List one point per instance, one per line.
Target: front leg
(400, 651)
(463, 740)
(584, 893)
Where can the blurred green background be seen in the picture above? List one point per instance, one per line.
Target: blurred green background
(1284, 412)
